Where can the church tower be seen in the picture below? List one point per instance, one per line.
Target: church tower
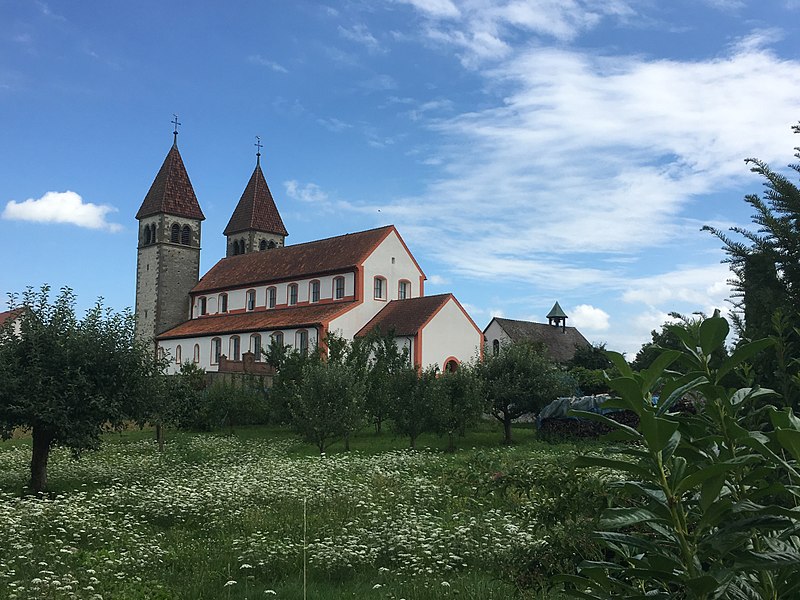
(168, 258)
(255, 224)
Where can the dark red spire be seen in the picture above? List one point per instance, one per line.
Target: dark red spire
(172, 192)
(256, 209)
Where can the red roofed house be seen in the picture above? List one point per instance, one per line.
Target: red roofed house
(263, 290)
(10, 318)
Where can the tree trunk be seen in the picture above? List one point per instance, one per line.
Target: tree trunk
(347, 443)
(507, 429)
(160, 436)
(413, 442)
(42, 440)
(451, 445)
(378, 424)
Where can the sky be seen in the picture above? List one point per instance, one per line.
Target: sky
(528, 151)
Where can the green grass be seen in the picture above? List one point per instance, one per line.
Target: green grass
(381, 521)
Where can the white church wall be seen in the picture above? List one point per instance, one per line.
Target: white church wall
(450, 334)
(495, 332)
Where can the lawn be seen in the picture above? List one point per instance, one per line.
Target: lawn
(232, 515)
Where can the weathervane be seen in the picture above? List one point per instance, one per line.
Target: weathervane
(175, 131)
(258, 152)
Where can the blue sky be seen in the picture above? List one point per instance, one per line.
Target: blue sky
(528, 151)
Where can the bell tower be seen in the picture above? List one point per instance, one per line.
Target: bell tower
(256, 224)
(168, 252)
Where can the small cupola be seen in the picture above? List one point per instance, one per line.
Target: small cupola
(557, 317)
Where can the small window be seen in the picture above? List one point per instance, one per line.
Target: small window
(251, 299)
(203, 305)
(175, 233)
(153, 230)
(235, 348)
(272, 295)
(186, 235)
(292, 294)
(255, 345)
(451, 366)
(404, 290)
(216, 350)
(146, 234)
(160, 353)
(196, 357)
(496, 347)
(313, 291)
(338, 288)
(262, 245)
(223, 303)
(235, 247)
(277, 338)
(302, 341)
(241, 247)
(380, 288)
(271, 245)
(178, 354)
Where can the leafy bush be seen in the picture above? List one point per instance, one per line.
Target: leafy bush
(711, 507)
(222, 404)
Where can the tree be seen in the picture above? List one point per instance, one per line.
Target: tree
(766, 269)
(328, 402)
(386, 360)
(459, 403)
(592, 357)
(520, 379)
(413, 394)
(67, 379)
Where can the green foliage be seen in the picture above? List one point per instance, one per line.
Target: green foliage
(328, 400)
(414, 393)
(591, 357)
(67, 379)
(285, 385)
(589, 382)
(520, 379)
(386, 361)
(709, 507)
(459, 403)
(766, 269)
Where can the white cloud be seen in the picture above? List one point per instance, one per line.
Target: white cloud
(61, 207)
(704, 288)
(257, 59)
(378, 83)
(590, 318)
(333, 124)
(435, 8)
(361, 35)
(309, 192)
(437, 280)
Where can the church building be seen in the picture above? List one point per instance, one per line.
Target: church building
(265, 290)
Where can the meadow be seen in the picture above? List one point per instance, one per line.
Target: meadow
(255, 513)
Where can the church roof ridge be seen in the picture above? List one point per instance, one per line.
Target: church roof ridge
(256, 208)
(171, 191)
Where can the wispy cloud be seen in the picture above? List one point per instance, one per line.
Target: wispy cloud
(61, 207)
(378, 83)
(333, 124)
(361, 35)
(257, 59)
(305, 192)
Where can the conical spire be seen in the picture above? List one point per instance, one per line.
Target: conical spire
(256, 210)
(171, 192)
(556, 312)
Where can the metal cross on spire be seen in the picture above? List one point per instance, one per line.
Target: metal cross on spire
(258, 152)
(175, 131)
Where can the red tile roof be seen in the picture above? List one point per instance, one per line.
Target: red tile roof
(256, 209)
(336, 254)
(10, 315)
(171, 192)
(406, 317)
(302, 316)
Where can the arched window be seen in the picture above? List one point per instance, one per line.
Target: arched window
(242, 247)
(203, 305)
(496, 347)
(146, 234)
(255, 345)
(403, 290)
(380, 288)
(271, 245)
(223, 303)
(196, 357)
(186, 235)
(302, 341)
(338, 288)
(153, 233)
(291, 293)
(277, 339)
(235, 247)
(451, 366)
(216, 350)
(178, 354)
(175, 233)
(160, 353)
(251, 299)
(313, 291)
(262, 245)
(235, 348)
(272, 297)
